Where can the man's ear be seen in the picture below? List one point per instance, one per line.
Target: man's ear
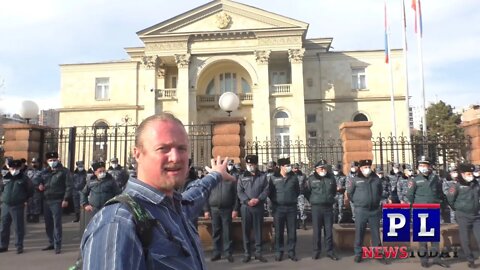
(136, 152)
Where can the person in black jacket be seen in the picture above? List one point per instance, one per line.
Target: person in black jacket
(79, 181)
(16, 190)
(464, 197)
(118, 173)
(222, 206)
(320, 190)
(365, 191)
(284, 191)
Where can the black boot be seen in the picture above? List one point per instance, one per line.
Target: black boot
(77, 217)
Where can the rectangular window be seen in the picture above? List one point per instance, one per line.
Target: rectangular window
(102, 88)
(359, 79)
(173, 82)
(279, 77)
(311, 118)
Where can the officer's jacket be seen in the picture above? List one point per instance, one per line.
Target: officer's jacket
(284, 190)
(386, 187)
(79, 179)
(394, 178)
(58, 183)
(321, 190)
(16, 189)
(464, 197)
(120, 175)
(223, 196)
(365, 192)
(252, 186)
(33, 173)
(98, 192)
(425, 189)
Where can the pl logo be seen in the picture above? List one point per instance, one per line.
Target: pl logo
(425, 219)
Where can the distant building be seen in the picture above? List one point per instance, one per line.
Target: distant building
(471, 114)
(48, 118)
(415, 117)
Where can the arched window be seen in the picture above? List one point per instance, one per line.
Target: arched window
(281, 114)
(100, 138)
(228, 82)
(360, 117)
(282, 133)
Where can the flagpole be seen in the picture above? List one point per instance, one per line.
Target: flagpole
(405, 63)
(389, 62)
(418, 30)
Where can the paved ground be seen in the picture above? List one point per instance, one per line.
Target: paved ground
(35, 240)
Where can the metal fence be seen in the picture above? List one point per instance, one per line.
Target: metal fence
(442, 150)
(305, 154)
(89, 143)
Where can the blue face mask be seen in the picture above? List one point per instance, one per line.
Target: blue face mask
(53, 164)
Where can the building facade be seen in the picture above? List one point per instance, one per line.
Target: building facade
(290, 87)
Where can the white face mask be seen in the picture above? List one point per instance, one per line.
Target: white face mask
(395, 170)
(454, 175)
(53, 164)
(469, 178)
(250, 168)
(102, 175)
(80, 169)
(114, 165)
(322, 174)
(380, 175)
(14, 172)
(335, 172)
(476, 174)
(423, 170)
(230, 167)
(353, 170)
(288, 169)
(366, 172)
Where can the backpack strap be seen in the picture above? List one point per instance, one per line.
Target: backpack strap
(144, 222)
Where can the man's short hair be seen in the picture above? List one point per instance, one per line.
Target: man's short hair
(163, 116)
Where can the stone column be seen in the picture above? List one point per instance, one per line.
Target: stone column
(261, 98)
(185, 103)
(24, 141)
(356, 141)
(148, 82)
(472, 129)
(228, 138)
(295, 56)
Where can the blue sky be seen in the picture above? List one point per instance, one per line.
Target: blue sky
(37, 36)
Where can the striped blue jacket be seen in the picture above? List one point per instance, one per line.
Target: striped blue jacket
(110, 241)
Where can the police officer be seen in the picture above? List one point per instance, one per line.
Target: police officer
(118, 173)
(448, 214)
(385, 184)
(365, 191)
(100, 188)
(464, 197)
(284, 192)
(301, 202)
(34, 206)
(340, 180)
(56, 184)
(402, 183)
(16, 190)
(79, 181)
(321, 189)
(426, 187)
(252, 190)
(352, 174)
(395, 176)
(222, 206)
(476, 172)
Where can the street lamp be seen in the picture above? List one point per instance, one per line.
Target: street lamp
(229, 102)
(28, 110)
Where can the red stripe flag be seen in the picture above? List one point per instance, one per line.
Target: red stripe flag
(418, 9)
(387, 50)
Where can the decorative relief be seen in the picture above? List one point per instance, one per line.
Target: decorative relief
(149, 62)
(262, 57)
(182, 60)
(296, 55)
(161, 71)
(172, 45)
(279, 40)
(223, 20)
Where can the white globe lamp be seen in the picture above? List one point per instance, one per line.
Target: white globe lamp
(229, 102)
(28, 110)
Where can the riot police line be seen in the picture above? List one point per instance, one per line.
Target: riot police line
(324, 196)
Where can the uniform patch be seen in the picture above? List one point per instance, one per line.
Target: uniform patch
(451, 190)
(410, 184)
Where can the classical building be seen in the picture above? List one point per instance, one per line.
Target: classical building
(290, 86)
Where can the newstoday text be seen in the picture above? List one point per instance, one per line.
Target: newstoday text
(397, 218)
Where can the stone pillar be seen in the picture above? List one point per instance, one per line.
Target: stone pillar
(149, 82)
(261, 98)
(24, 141)
(472, 130)
(356, 141)
(295, 56)
(184, 102)
(228, 138)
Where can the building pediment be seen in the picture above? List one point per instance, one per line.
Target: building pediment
(222, 16)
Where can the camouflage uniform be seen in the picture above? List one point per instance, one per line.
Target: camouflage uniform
(118, 173)
(34, 206)
(395, 176)
(301, 201)
(340, 179)
(448, 214)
